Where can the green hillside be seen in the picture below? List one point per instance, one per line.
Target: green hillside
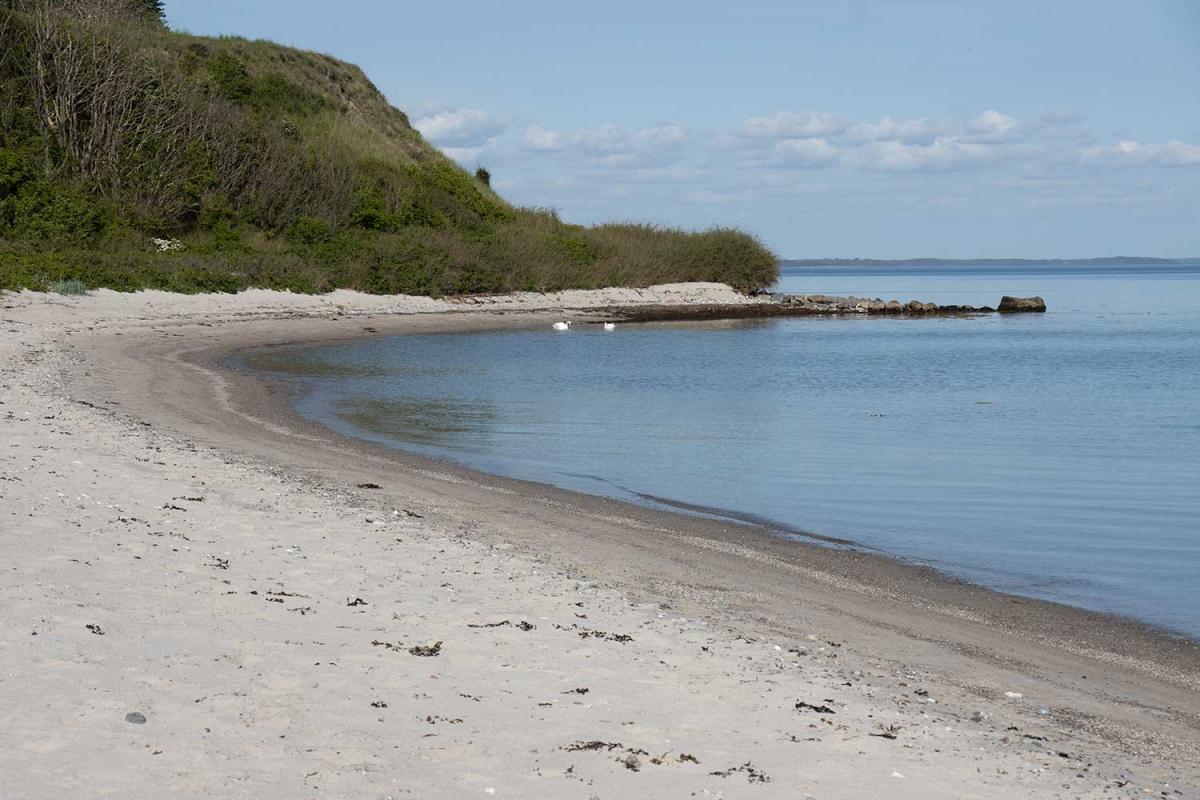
(135, 157)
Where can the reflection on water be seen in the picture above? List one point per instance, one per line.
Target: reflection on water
(1055, 455)
(438, 423)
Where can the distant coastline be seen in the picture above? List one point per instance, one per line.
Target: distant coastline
(977, 262)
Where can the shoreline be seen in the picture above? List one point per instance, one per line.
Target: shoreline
(248, 401)
(1136, 704)
(280, 411)
(265, 397)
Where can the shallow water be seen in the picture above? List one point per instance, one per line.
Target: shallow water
(1055, 455)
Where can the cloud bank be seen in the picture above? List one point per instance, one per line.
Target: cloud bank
(790, 165)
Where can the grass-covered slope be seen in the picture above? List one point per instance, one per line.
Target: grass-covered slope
(254, 164)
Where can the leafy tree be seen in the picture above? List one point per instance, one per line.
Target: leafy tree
(150, 10)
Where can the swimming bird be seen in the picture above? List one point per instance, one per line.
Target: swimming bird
(561, 326)
(610, 326)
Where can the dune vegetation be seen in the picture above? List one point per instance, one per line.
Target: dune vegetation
(133, 156)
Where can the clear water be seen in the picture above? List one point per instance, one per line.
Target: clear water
(1055, 455)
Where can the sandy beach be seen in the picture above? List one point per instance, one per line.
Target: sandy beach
(206, 596)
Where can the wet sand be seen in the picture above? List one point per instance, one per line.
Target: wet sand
(729, 628)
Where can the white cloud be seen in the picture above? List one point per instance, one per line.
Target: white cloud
(911, 131)
(544, 140)
(1131, 153)
(603, 141)
(790, 125)
(460, 127)
(806, 152)
(992, 126)
(662, 136)
(919, 143)
(943, 154)
(611, 146)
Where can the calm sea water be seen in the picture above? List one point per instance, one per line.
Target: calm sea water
(1055, 455)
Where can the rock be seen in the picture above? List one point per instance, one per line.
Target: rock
(1015, 305)
(136, 717)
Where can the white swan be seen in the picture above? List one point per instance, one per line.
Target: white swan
(561, 326)
(610, 326)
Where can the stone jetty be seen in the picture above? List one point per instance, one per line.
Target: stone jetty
(798, 305)
(833, 304)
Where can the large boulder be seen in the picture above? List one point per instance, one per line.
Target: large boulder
(1014, 305)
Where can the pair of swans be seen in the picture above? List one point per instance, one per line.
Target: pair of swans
(566, 326)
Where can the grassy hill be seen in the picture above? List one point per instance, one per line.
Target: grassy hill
(132, 156)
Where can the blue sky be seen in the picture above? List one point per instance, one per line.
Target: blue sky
(842, 128)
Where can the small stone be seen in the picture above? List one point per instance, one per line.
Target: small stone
(136, 717)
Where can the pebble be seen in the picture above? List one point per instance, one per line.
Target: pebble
(136, 717)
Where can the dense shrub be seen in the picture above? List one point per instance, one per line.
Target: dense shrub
(16, 168)
(50, 213)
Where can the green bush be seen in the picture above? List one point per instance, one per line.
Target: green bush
(230, 77)
(371, 211)
(575, 247)
(308, 231)
(16, 168)
(70, 286)
(49, 212)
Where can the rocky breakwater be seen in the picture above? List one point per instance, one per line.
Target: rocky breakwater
(799, 305)
(833, 304)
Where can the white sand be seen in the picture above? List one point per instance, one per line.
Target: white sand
(222, 591)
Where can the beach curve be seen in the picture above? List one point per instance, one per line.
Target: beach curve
(774, 623)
